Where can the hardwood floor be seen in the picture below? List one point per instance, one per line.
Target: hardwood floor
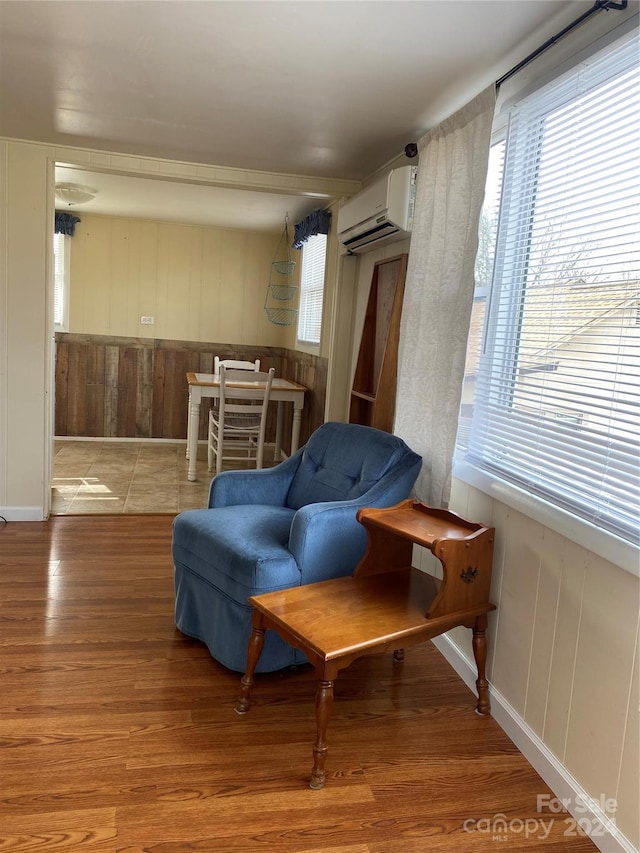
(118, 733)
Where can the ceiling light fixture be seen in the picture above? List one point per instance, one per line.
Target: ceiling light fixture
(74, 193)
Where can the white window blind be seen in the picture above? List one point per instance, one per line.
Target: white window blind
(312, 289)
(61, 281)
(556, 409)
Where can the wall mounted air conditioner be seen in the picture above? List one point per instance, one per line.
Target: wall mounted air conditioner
(381, 213)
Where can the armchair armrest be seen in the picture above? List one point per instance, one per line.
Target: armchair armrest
(264, 486)
(326, 540)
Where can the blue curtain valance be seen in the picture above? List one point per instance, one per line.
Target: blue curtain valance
(317, 222)
(66, 223)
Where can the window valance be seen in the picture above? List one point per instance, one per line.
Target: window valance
(66, 223)
(317, 222)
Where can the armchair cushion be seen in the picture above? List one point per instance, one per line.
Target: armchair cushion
(334, 469)
(251, 554)
(279, 527)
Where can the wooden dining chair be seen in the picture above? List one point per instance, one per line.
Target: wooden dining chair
(235, 364)
(231, 364)
(237, 426)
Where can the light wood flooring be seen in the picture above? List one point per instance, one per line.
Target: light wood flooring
(118, 733)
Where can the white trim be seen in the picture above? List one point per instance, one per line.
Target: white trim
(50, 344)
(564, 785)
(123, 439)
(4, 330)
(119, 162)
(21, 513)
(607, 545)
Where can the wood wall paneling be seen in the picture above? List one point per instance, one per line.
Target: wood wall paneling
(95, 389)
(127, 381)
(137, 387)
(77, 403)
(144, 392)
(61, 388)
(110, 423)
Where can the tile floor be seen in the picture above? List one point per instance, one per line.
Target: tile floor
(126, 477)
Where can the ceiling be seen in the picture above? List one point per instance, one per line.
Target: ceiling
(175, 201)
(325, 89)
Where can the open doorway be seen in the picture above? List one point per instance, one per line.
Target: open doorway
(163, 234)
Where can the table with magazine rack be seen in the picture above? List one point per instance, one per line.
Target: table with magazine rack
(385, 605)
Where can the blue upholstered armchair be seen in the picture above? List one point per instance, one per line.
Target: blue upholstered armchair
(281, 527)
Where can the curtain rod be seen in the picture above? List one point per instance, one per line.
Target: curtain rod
(598, 6)
(411, 150)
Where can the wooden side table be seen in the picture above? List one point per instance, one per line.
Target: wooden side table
(386, 605)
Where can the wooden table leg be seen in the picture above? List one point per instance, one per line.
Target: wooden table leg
(188, 423)
(295, 429)
(254, 650)
(192, 433)
(324, 701)
(480, 655)
(277, 451)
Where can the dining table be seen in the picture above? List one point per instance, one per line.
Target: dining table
(208, 385)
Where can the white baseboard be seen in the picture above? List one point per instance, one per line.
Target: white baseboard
(122, 439)
(588, 814)
(21, 513)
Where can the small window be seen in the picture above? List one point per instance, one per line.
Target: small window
(61, 243)
(314, 254)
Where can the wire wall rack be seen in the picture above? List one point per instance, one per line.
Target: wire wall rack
(280, 288)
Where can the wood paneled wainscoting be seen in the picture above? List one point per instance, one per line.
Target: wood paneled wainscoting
(137, 388)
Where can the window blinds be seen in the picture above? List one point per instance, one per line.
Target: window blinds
(312, 289)
(61, 278)
(557, 404)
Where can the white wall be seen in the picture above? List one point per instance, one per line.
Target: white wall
(26, 246)
(199, 283)
(564, 651)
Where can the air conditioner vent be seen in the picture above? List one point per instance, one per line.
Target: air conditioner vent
(381, 213)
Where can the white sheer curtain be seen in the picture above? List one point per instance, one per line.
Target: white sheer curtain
(439, 290)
